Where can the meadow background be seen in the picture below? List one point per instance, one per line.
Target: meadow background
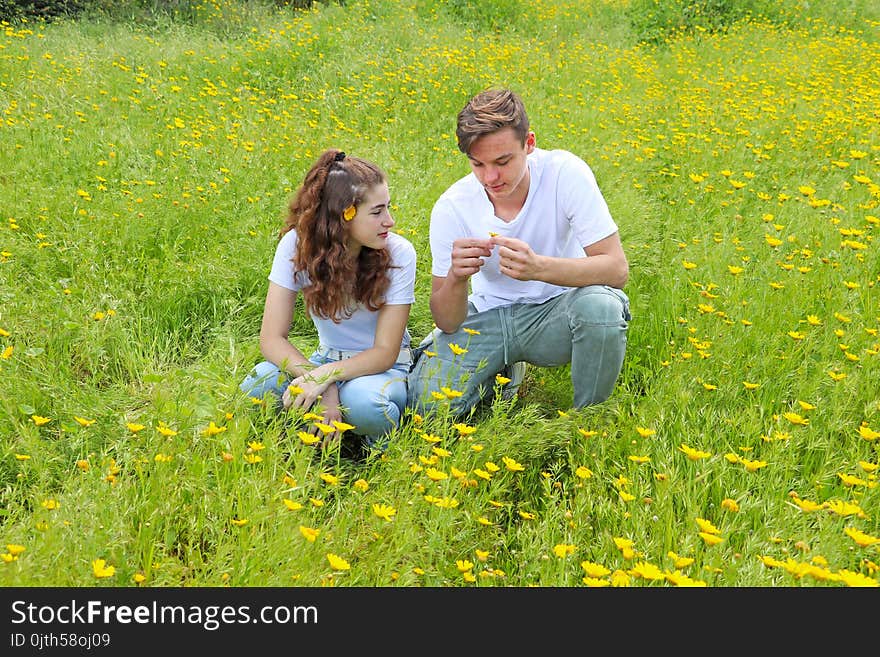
(148, 153)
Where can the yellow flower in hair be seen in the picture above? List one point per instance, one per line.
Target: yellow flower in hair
(349, 212)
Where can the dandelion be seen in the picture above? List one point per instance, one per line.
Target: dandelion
(464, 429)
(436, 475)
(384, 511)
(862, 539)
(101, 569)
(562, 550)
(337, 562)
(308, 438)
(694, 454)
(679, 562)
(165, 430)
(308, 533)
(753, 466)
(795, 418)
(512, 465)
(212, 429)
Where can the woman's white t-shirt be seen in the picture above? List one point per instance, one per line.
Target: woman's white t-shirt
(563, 213)
(357, 332)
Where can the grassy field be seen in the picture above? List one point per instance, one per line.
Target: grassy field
(145, 171)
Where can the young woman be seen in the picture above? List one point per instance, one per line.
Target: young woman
(357, 279)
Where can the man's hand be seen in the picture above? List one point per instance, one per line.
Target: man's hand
(517, 260)
(467, 256)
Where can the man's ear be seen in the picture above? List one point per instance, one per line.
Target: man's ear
(530, 142)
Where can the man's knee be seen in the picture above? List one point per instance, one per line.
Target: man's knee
(598, 305)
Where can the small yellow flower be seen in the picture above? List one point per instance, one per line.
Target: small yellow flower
(15, 549)
(583, 472)
(730, 505)
(83, 422)
(710, 539)
(349, 213)
(50, 504)
(308, 438)
(134, 427)
(458, 351)
(562, 550)
(292, 505)
(464, 429)
(239, 522)
(165, 430)
(101, 569)
(435, 474)
(328, 478)
(212, 429)
(308, 533)
(361, 485)
(337, 562)
(501, 380)
(694, 454)
(644, 432)
(39, 420)
(384, 511)
(512, 465)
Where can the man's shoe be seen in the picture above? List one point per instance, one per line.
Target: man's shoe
(516, 373)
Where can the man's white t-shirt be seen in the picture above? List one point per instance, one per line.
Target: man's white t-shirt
(357, 332)
(563, 213)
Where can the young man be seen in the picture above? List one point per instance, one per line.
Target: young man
(527, 267)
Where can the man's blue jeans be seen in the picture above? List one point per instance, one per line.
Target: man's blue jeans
(585, 327)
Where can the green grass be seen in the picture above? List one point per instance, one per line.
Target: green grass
(146, 170)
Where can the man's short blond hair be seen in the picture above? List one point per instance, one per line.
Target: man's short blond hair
(490, 111)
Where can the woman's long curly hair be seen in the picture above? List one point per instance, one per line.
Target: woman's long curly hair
(337, 284)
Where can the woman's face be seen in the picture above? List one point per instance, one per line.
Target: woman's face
(372, 222)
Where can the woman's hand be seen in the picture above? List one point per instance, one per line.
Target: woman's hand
(305, 390)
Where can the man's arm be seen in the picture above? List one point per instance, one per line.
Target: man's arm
(449, 293)
(606, 264)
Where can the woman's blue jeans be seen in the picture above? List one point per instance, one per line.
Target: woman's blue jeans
(372, 403)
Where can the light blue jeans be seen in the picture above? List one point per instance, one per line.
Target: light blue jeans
(584, 326)
(372, 403)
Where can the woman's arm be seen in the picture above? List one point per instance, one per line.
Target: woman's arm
(380, 357)
(274, 331)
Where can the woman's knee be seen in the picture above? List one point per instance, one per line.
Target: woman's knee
(263, 378)
(373, 409)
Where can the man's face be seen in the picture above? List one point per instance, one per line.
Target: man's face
(498, 160)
